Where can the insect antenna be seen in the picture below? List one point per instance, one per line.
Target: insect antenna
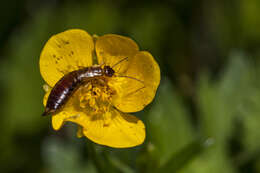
(136, 80)
(119, 62)
(129, 76)
(135, 91)
(132, 78)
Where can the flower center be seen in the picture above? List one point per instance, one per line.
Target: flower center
(95, 97)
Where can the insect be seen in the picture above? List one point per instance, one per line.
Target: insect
(70, 82)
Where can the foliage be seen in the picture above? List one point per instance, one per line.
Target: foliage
(205, 116)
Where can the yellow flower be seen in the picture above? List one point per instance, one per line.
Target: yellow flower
(101, 107)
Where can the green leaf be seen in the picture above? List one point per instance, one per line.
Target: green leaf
(168, 126)
(185, 155)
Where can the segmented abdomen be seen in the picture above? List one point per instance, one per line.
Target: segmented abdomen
(61, 92)
(67, 85)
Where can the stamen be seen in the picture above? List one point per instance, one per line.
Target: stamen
(95, 98)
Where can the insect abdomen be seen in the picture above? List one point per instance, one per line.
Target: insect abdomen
(67, 85)
(60, 93)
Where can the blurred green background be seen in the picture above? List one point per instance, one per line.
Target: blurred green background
(206, 114)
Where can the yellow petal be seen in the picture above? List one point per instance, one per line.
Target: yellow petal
(58, 119)
(112, 48)
(45, 98)
(114, 129)
(65, 52)
(133, 95)
(67, 112)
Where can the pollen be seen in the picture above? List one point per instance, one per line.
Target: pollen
(95, 97)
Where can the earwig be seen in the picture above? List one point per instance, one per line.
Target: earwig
(70, 82)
